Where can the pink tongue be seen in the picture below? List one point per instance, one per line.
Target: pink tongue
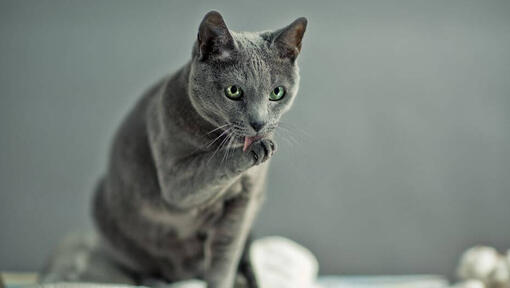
(249, 140)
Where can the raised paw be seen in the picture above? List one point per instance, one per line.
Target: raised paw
(262, 150)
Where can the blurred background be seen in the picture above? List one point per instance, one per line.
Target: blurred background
(400, 156)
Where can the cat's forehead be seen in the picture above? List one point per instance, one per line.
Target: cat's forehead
(255, 54)
(248, 39)
(252, 45)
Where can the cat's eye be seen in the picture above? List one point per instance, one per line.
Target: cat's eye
(233, 92)
(277, 93)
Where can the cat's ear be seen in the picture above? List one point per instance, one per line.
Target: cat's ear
(213, 38)
(288, 40)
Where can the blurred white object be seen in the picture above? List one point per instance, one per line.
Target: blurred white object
(486, 265)
(478, 263)
(501, 274)
(281, 263)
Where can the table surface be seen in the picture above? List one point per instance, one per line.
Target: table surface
(16, 280)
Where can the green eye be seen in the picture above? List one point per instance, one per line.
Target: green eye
(233, 92)
(277, 93)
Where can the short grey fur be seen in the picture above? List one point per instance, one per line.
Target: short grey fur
(188, 165)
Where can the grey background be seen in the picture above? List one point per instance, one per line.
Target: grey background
(402, 155)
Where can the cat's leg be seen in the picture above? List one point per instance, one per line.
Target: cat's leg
(227, 240)
(246, 270)
(192, 181)
(81, 258)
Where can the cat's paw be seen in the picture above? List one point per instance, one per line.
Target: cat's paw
(261, 150)
(257, 153)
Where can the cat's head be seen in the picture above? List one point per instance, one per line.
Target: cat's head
(244, 81)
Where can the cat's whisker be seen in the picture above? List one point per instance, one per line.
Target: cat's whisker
(216, 139)
(227, 150)
(295, 129)
(295, 135)
(289, 138)
(234, 138)
(285, 138)
(226, 145)
(219, 146)
(218, 128)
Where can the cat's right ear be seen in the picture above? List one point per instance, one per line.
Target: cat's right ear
(214, 39)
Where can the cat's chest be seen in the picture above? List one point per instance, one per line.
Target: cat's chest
(185, 224)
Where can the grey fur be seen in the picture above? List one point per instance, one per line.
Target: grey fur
(180, 194)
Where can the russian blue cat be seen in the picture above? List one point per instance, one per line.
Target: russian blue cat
(188, 165)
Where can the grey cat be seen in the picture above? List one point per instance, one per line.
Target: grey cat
(188, 165)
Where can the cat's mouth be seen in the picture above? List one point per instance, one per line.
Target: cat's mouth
(248, 140)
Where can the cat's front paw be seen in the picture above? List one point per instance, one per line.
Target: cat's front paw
(261, 150)
(257, 153)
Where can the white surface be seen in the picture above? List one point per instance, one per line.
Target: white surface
(411, 281)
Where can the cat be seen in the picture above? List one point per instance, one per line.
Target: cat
(187, 169)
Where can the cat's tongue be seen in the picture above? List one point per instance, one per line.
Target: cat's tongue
(248, 140)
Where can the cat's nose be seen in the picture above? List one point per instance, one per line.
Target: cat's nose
(257, 125)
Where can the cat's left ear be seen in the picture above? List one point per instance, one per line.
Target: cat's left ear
(288, 40)
(213, 37)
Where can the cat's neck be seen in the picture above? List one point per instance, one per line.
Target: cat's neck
(180, 112)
